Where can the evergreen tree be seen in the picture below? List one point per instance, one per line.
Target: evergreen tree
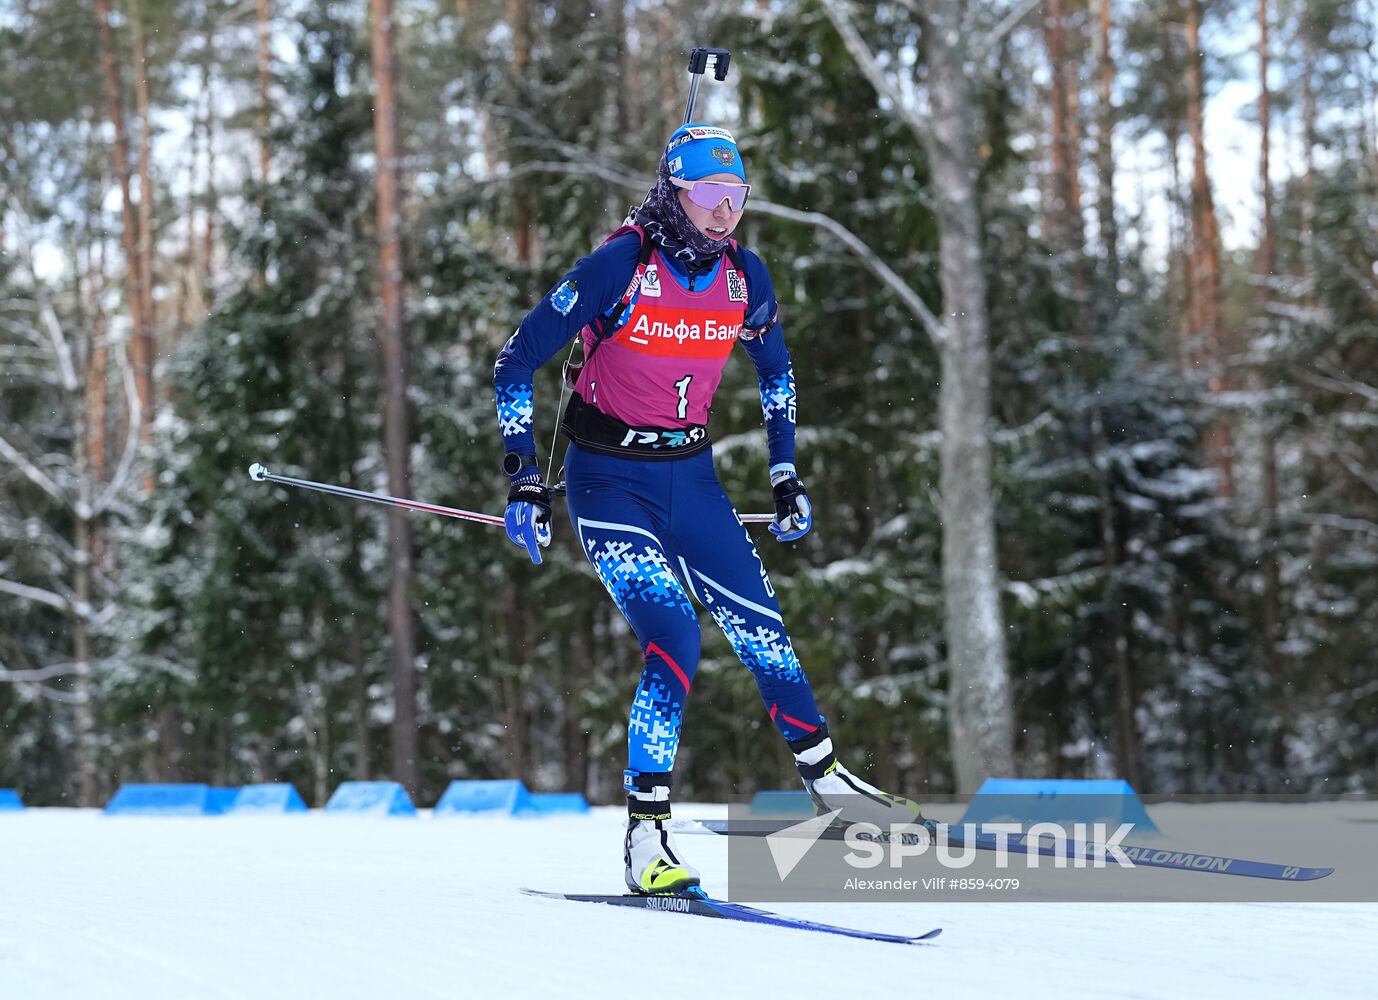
(256, 607)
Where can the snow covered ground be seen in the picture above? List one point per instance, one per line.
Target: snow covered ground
(329, 906)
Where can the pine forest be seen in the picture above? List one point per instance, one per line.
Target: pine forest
(1082, 298)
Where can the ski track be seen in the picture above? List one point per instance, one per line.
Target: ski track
(341, 907)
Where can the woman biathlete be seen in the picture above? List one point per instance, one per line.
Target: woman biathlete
(659, 306)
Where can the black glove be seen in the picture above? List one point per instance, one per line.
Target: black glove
(793, 512)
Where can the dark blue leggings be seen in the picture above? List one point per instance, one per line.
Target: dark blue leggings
(657, 532)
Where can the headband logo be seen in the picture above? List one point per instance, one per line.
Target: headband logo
(711, 132)
(725, 155)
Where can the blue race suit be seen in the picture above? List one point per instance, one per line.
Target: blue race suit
(659, 530)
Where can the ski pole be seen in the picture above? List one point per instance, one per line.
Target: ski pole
(259, 474)
(698, 63)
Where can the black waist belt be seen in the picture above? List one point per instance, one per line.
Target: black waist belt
(593, 430)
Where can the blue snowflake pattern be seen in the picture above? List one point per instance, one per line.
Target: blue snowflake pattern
(767, 652)
(631, 574)
(777, 395)
(654, 725)
(516, 409)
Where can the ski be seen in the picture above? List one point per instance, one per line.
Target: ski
(703, 905)
(1147, 857)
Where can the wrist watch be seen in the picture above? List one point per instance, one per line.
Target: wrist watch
(513, 462)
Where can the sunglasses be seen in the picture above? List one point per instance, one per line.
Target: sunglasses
(711, 194)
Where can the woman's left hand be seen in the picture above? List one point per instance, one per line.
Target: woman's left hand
(793, 512)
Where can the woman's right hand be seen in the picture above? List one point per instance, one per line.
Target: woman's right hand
(527, 518)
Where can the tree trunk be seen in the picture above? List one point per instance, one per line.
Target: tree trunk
(1179, 267)
(209, 206)
(265, 77)
(145, 197)
(1069, 232)
(576, 740)
(523, 228)
(1105, 154)
(1063, 98)
(617, 100)
(1267, 253)
(397, 431)
(517, 23)
(1059, 155)
(96, 402)
(358, 661)
(83, 717)
(1308, 146)
(1065, 221)
(138, 347)
(670, 102)
(1206, 324)
(196, 268)
(981, 714)
(1371, 101)
(359, 697)
(514, 688)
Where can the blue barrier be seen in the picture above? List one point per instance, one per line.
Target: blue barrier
(546, 803)
(169, 800)
(504, 798)
(1060, 801)
(10, 800)
(790, 803)
(377, 798)
(279, 797)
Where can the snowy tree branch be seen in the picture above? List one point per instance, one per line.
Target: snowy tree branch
(61, 349)
(66, 697)
(870, 258)
(13, 352)
(36, 594)
(1341, 523)
(24, 330)
(31, 472)
(870, 68)
(42, 673)
(1346, 386)
(131, 441)
(987, 45)
(1359, 472)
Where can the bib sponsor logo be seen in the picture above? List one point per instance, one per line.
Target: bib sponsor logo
(736, 287)
(650, 282)
(710, 330)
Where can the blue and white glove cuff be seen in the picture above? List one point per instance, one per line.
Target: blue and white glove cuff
(779, 473)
